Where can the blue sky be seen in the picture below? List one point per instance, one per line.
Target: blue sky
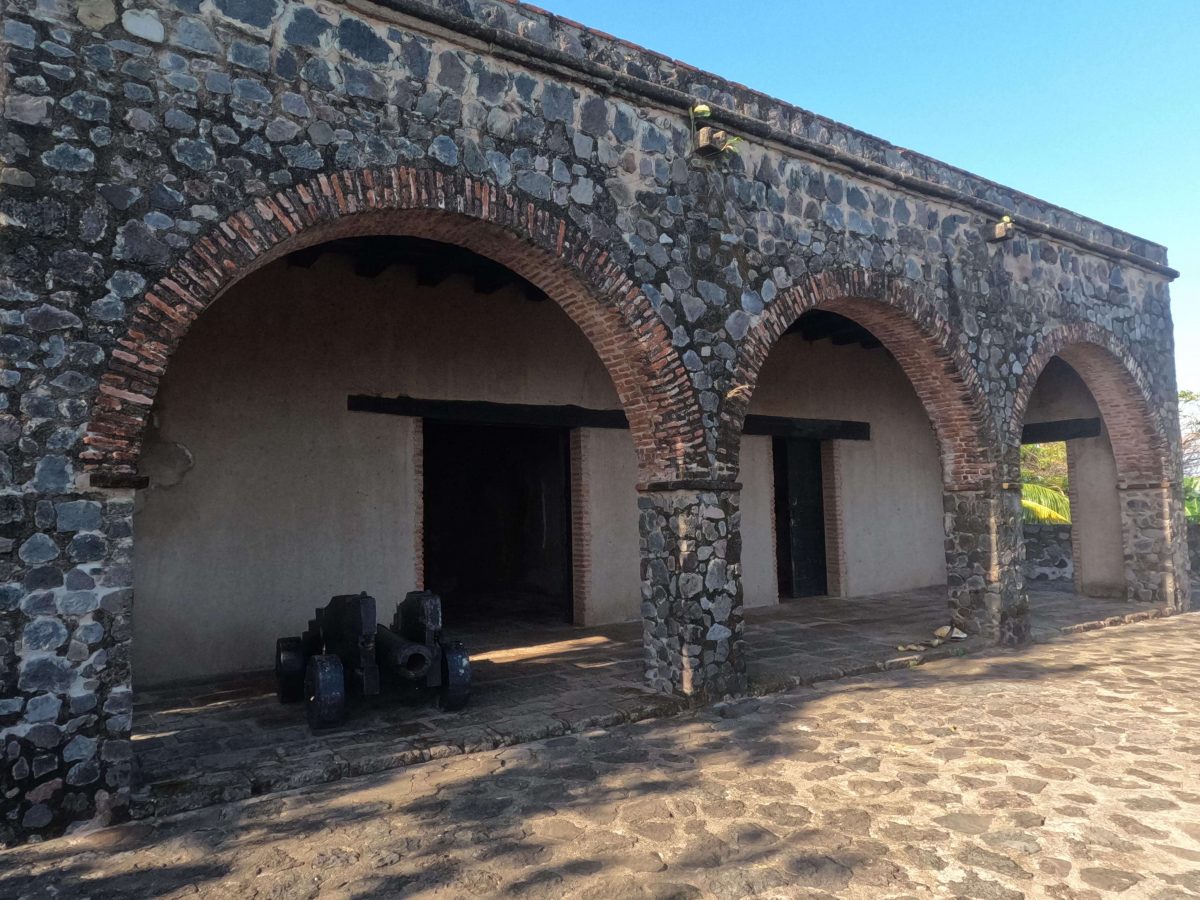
(1093, 105)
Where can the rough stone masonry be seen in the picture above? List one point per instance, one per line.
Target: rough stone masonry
(152, 153)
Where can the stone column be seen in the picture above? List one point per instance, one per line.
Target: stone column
(65, 698)
(1155, 544)
(691, 587)
(985, 552)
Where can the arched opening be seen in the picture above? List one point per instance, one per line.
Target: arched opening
(1098, 504)
(842, 501)
(838, 443)
(579, 274)
(912, 509)
(296, 397)
(379, 414)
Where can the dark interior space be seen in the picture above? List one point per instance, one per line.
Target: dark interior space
(821, 324)
(799, 518)
(497, 522)
(433, 262)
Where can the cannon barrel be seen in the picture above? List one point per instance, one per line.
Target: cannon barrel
(405, 658)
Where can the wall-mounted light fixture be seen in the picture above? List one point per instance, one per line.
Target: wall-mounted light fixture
(709, 141)
(1003, 230)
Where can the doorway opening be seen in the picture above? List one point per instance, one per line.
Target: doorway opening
(498, 522)
(800, 549)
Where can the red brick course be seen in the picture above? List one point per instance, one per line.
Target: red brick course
(1122, 393)
(921, 341)
(579, 274)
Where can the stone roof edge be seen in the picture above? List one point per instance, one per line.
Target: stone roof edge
(872, 157)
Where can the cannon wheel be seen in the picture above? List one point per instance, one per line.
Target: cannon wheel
(324, 691)
(456, 676)
(289, 669)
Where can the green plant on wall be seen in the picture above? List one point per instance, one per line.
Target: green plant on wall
(708, 140)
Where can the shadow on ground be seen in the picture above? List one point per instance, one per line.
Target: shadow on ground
(630, 802)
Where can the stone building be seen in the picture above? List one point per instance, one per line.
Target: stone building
(302, 297)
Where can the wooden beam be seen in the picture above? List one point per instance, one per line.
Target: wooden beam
(814, 429)
(489, 279)
(1059, 430)
(545, 416)
(432, 272)
(484, 413)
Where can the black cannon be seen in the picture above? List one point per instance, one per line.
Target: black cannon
(344, 649)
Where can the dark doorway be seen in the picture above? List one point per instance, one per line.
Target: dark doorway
(497, 522)
(799, 518)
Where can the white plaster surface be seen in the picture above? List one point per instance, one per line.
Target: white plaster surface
(760, 583)
(268, 497)
(614, 590)
(892, 490)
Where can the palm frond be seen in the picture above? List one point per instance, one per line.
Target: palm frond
(1045, 505)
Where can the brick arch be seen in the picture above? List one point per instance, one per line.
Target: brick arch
(914, 333)
(574, 271)
(1121, 391)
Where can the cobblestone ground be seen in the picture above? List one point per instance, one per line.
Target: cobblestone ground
(1063, 770)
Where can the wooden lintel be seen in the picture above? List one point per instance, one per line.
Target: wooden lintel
(483, 413)
(1059, 430)
(814, 429)
(545, 416)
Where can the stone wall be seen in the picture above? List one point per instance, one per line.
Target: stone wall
(1048, 553)
(152, 155)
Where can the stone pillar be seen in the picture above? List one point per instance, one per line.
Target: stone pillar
(65, 697)
(985, 553)
(691, 588)
(1155, 543)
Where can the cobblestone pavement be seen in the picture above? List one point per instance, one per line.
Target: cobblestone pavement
(215, 742)
(1065, 769)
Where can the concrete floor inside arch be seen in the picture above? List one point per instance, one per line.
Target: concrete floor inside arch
(213, 741)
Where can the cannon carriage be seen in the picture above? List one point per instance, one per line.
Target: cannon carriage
(345, 650)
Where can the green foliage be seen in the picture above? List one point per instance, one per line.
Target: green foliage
(1045, 464)
(1191, 498)
(1044, 505)
(731, 145)
(1044, 484)
(1189, 428)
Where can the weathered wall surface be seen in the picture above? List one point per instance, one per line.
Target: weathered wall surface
(760, 579)
(279, 497)
(1048, 553)
(154, 155)
(613, 588)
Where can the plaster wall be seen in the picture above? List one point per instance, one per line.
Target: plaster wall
(614, 587)
(760, 581)
(891, 485)
(267, 496)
